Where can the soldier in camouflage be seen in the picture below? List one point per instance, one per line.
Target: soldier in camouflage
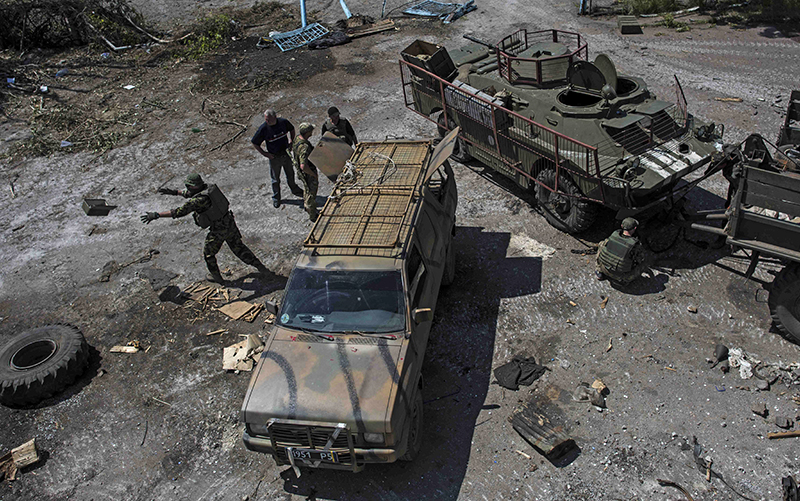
(340, 127)
(621, 256)
(306, 170)
(208, 211)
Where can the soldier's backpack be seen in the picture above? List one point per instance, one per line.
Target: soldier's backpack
(219, 207)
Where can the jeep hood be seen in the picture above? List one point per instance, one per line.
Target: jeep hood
(300, 376)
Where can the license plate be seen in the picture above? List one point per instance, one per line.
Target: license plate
(314, 455)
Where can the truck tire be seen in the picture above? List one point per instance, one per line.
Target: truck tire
(784, 301)
(36, 364)
(449, 265)
(414, 429)
(564, 213)
(460, 153)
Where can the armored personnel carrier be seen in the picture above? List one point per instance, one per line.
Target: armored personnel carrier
(534, 108)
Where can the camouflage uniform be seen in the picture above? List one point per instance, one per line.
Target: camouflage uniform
(621, 257)
(302, 149)
(221, 231)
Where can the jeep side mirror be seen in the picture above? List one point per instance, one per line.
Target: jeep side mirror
(422, 315)
(271, 307)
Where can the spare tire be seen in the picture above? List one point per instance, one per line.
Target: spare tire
(36, 364)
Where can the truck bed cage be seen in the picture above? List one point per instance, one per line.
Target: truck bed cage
(368, 211)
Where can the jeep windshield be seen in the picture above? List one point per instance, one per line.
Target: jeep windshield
(339, 301)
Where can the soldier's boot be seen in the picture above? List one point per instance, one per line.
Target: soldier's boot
(215, 277)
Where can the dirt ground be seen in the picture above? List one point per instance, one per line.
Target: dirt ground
(163, 423)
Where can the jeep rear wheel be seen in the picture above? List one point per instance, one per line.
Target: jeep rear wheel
(460, 153)
(784, 301)
(414, 430)
(562, 209)
(37, 363)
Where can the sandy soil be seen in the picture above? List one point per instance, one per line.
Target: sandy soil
(163, 424)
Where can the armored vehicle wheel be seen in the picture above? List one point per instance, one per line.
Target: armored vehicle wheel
(37, 363)
(564, 213)
(460, 153)
(784, 301)
(449, 265)
(415, 429)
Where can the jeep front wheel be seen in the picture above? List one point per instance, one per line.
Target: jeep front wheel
(784, 301)
(414, 430)
(563, 209)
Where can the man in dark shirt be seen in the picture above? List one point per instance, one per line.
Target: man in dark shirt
(339, 126)
(274, 132)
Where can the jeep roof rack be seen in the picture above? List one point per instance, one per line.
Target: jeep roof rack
(368, 213)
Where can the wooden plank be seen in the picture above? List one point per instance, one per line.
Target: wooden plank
(26, 454)
(535, 427)
(771, 197)
(787, 180)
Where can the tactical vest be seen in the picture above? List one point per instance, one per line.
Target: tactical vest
(297, 142)
(218, 209)
(339, 130)
(616, 253)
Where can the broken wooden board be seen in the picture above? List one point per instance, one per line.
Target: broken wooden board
(535, 427)
(26, 454)
(330, 155)
(370, 29)
(124, 349)
(242, 310)
(240, 356)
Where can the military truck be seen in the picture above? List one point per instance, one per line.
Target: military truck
(534, 108)
(339, 383)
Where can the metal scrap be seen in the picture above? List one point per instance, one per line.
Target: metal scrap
(447, 12)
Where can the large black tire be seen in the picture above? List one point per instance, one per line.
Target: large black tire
(460, 153)
(784, 301)
(37, 363)
(415, 429)
(565, 213)
(449, 265)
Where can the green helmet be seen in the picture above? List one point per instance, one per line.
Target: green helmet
(194, 180)
(305, 127)
(629, 223)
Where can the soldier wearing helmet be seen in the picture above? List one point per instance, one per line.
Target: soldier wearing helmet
(340, 127)
(209, 208)
(620, 257)
(306, 170)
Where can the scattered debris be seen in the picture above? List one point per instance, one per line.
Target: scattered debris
(519, 371)
(96, 206)
(669, 483)
(242, 310)
(371, 29)
(610, 345)
(241, 356)
(111, 268)
(129, 87)
(161, 401)
(739, 358)
(783, 422)
(270, 319)
(691, 309)
(591, 394)
(526, 456)
(629, 25)
(573, 303)
(297, 38)
(531, 423)
(720, 354)
(331, 39)
(760, 408)
(600, 386)
(203, 294)
(19, 457)
(603, 303)
(124, 349)
(784, 434)
(447, 12)
(729, 99)
(218, 331)
(762, 386)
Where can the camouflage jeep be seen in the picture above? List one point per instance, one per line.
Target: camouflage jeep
(339, 382)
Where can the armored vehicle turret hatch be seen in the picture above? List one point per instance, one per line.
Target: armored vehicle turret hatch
(534, 108)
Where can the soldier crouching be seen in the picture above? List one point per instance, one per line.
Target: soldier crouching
(209, 208)
(621, 256)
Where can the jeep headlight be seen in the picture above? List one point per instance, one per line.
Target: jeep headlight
(257, 429)
(374, 438)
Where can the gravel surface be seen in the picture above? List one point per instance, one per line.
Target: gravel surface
(163, 423)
